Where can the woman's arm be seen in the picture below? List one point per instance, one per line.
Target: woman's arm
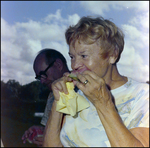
(141, 133)
(52, 129)
(55, 122)
(118, 134)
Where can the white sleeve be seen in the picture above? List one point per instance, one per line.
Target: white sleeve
(139, 115)
(47, 110)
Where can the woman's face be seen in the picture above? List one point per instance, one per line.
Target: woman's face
(88, 57)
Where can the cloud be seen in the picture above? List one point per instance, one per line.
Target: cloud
(21, 42)
(7, 31)
(100, 7)
(54, 17)
(73, 19)
(58, 20)
(132, 62)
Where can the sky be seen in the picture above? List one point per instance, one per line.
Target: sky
(29, 26)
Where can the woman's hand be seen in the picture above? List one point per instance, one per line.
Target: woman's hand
(95, 89)
(60, 85)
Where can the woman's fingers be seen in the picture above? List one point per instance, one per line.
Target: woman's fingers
(92, 75)
(60, 86)
(66, 74)
(93, 86)
(88, 79)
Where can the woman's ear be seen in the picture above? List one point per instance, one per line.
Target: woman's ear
(114, 56)
(59, 64)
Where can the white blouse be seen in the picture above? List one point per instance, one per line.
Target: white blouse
(86, 130)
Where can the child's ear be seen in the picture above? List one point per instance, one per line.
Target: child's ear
(113, 58)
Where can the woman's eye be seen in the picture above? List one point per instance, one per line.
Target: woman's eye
(84, 56)
(71, 57)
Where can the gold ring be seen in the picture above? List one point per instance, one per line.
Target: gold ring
(86, 82)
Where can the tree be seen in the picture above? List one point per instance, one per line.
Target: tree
(33, 92)
(5, 92)
(14, 86)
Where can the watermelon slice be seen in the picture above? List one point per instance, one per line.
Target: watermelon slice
(73, 73)
(73, 76)
(37, 132)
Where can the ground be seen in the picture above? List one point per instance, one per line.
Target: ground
(16, 118)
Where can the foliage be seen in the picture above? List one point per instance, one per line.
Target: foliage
(14, 87)
(31, 92)
(20, 102)
(6, 92)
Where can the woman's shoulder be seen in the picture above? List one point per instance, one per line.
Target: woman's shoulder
(136, 84)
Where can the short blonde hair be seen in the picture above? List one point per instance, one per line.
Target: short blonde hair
(90, 30)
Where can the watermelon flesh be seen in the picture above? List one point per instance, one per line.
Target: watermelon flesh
(37, 132)
(73, 73)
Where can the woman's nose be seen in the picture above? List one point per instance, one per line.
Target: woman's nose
(76, 64)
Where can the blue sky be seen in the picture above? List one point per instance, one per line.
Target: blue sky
(29, 26)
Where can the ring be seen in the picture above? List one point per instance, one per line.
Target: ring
(86, 82)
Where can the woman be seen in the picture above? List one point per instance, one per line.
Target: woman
(119, 112)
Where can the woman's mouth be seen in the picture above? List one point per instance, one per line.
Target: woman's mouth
(74, 73)
(79, 70)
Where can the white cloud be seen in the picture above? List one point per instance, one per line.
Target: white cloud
(40, 30)
(141, 20)
(57, 18)
(100, 7)
(21, 42)
(136, 5)
(73, 19)
(132, 60)
(54, 17)
(7, 31)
